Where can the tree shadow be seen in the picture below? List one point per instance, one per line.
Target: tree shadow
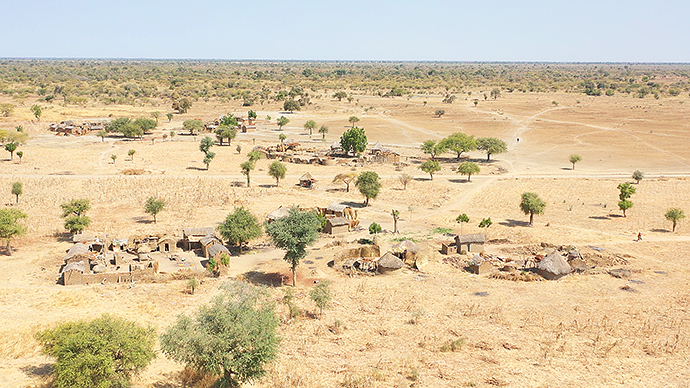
(599, 217)
(270, 279)
(513, 223)
(420, 179)
(143, 220)
(196, 168)
(38, 370)
(267, 186)
(566, 168)
(615, 215)
(459, 180)
(661, 230)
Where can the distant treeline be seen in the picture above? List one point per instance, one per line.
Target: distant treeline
(139, 81)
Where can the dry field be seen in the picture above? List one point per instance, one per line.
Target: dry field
(440, 328)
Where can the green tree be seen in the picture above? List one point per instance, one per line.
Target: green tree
(282, 137)
(310, 125)
(277, 170)
(11, 147)
(37, 111)
(74, 213)
(294, 233)
(674, 215)
(491, 145)
(430, 167)
(624, 205)
(353, 120)
(113, 157)
(440, 112)
(182, 106)
(102, 353)
(169, 116)
(145, 125)
(229, 120)
(468, 168)
(251, 114)
(206, 144)
(458, 143)
(208, 158)
(495, 93)
(131, 153)
(574, 158)
(462, 219)
(323, 131)
(374, 228)
(626, 191)
(282, 121)
(254, 155)
(485, 223)
(172, 134)
(531, 204)
(77, 224)
(355, 140)
(17, 189)
(369, 185)
(156, 115)
(239, 227)
(21, 155)
(102, 134)
(153, 206)
(476, 103)
(193, 126)
(638, 176)
(340, 95)
(433, 148)
(247, 167)
(233, 337)
(345, 178)
(225, 132)
(291, 106)
(321, 295)
(10, 226)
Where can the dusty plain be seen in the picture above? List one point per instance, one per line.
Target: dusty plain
(583, 330)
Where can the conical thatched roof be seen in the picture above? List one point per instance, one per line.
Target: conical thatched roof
(377, 146)
(307, 177)
(390, 262)
(405, 245)
(280, 212)
(553, 266)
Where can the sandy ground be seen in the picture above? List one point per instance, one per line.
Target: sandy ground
(583, 330)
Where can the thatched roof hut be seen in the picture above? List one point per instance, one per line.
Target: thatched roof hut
(389, 263)
(279, 213)
(76, 249)
(476, 238)
(306, 180)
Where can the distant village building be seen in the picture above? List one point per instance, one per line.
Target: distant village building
(470, 242)
(191, 237)
(307, 181)
(337, 225)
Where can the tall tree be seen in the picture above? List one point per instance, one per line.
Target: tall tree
(206, 144)
(153, 206)
(430, 167)
(225, 132)
(323, 131)
(354, 140)
(294, 233)
(11, 147)
(10, 226)
(291, 106)
(637, 176)
(193, 126)
(345, 178)
(491, 145)
(531, 204)
(239, 227)
(182, 106)
(277, 170)
(310, 125)
(458, 143)
(433, 148)
(208, 158)
(74, 213)
(574, 158)
(353, 120)
(468, 168)
(17, 189)
(369, 185)
(282, 121)
(396, 215)
(674, 215)
(247, 167)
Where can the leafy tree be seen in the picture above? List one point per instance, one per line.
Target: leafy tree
(169, 116)
(574, 158)
(531, 204)
(491, 145)
(321, 295)
(353, 120)
(229, 120)
(17, 189)
(10, 227)
(345, 178)
(156, 115)
(251, 114)
(102, 134)
(440, 112)
(77, 207)
(77, 224)
(208, 158)
(355, 140)
(468, 168)
(104, 353)
(323, 131)
(396, 215)
(310, 125)
(282, 121)
(206, 144)
(182, 106)
(340, 95)
(476, 103)
(495, 93)
(626, 191)
(294, 233)
(624, 205)
(433, 148)
(374, 228)
(153, 206)
(485, 223)
(405, 179)
(239, 227)
(225, 132)
(674, 215)
(254, 155)
(233, 337)
(268, 118)
(145, 125)
(430, 167)
(247, 167)
(282, 137)
(462, 219)
(131, 153)
(638, 176)
(193, 126)
(21, 155)
(369, 185)
(11, 147)
(37, 111)
(291, 106)
(277, 170)
(458, 143)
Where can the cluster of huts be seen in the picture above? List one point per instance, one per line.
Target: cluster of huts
(340, 218)
(368, 259)
(69, 127)
(243, 124)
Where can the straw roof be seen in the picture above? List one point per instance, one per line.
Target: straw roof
(77, 249)
(76, 266)
(216, 249)
(337, 207)
(390, 261)
(405, 245)
(338, 221)
(307, 177)
(476, 238)
(209, 231)
(280, 212)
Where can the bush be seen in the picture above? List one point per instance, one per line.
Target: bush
(321, 295)
(374, 228)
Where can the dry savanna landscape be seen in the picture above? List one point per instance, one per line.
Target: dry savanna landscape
(619, 319)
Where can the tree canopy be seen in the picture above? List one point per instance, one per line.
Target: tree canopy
(354, 140)
(153, 206)
(233, 337)
(74, 213)
(182, 106)
(674, 215)
(458, 143)
(10, 226)
(277, 170)
(102, 353)
(239, 227)
(294, 233)
(430, 167)
(310, 125)
(353, 120)
(369, 185)
(193, 126)
(346, 178)
(531, 204)
(282, 121)
(491, 146)
(225, 132)
(468, 168)
(638, 176)
(17, 189)
(246, 168)
(291, 105)
(432, 147)
(574, 158)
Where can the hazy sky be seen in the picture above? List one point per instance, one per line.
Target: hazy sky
(476, 30)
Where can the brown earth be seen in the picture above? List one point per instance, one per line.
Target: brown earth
(582, 330)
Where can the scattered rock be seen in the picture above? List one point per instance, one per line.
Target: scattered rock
(578, 265)
(553, 266)
(620, 273)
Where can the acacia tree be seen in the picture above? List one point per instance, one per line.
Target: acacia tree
(433, 148)
(282, 121)
(440, 112)
(462, 219)
(353, 120)
(323, 131)
(310, 125)
(430, 167)
(468, 168)
(193, 126)
(369, 185)
(277, 170)
(674, 215)
(10, 227)
(345, 178)
(294, 233)
(637, 176)
(355, 140)
(626, 191)
(17, 190)
(225, 132)
(102, 134)
(74, 214)
(239, 227)
(11, 147)
(491, 145)
(105, 352)
(153, 206)
(531, 204)
(340, 95)
(233, 337)
(458, 143)
(574, 158)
